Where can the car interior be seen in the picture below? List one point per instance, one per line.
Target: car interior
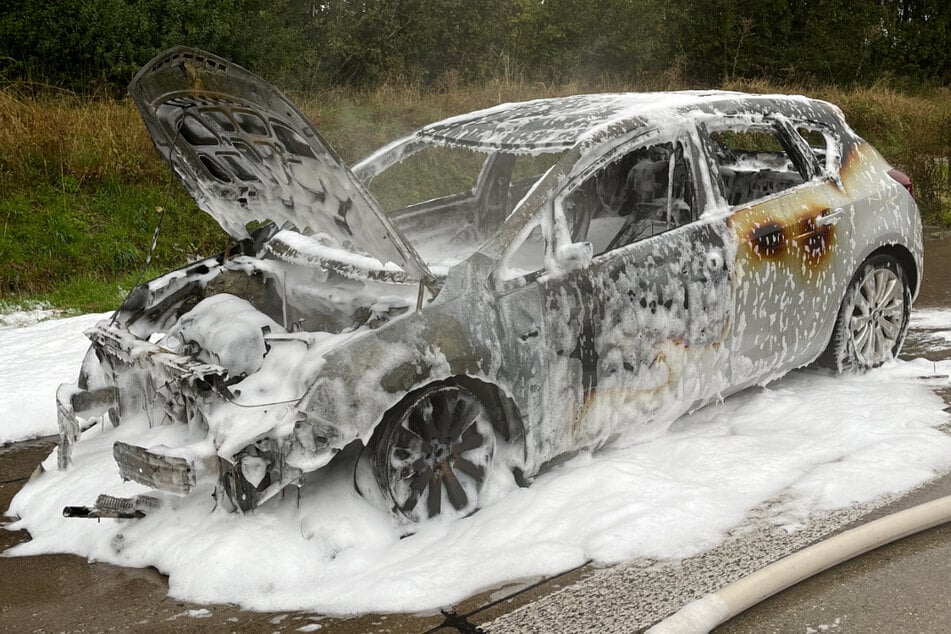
(753, 164)
(644, 193)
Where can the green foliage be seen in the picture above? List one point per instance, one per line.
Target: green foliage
(561, 39)
(87, 292)
(82, 293)
(373, 41)
(814, 40)
(97, 45)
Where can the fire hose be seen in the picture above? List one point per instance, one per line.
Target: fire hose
(711, 610)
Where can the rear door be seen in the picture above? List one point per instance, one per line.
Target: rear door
(788, 218)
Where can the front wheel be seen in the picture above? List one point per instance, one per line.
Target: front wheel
(873, 319)
(433, 458)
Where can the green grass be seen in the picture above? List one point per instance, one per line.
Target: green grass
(52, 235)
(83, 293)
(88, 293)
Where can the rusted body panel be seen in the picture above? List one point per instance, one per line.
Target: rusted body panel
(583, 311)
(802, 268)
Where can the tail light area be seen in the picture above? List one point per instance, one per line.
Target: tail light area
(902, 179)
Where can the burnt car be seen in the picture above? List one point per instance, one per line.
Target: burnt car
(492, 291)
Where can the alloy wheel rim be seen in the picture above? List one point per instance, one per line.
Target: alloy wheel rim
(878, 311)
(438, 456)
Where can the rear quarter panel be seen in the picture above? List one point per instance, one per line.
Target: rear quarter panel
(884, 213)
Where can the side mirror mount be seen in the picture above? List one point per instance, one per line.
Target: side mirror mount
(574, 256)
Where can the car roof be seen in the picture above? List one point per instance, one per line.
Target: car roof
(560, 123)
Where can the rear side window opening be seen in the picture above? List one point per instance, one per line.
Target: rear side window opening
(753, 163)
(824, 144)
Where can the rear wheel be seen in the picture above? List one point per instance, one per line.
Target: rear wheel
(873, 319)
(433, 458)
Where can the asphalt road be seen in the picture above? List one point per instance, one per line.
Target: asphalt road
(899, 588)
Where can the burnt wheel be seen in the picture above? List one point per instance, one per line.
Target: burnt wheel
(873, 319)
(433, 457)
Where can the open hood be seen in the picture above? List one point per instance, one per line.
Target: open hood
(245, 153)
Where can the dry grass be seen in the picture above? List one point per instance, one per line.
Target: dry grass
(96, 139)
(69, 136)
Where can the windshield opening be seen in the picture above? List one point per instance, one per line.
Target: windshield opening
(448, 200)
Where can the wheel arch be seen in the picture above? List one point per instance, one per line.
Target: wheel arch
(904, 257)
(897, 252)
(501, 408)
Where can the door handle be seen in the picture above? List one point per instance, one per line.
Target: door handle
(829, 217)
(529, 334)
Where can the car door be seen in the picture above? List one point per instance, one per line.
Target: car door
(627, 325)
(787, 218)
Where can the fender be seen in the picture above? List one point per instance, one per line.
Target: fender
(368, 375)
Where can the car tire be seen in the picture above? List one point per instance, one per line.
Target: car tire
(433, 456)
(873, 318)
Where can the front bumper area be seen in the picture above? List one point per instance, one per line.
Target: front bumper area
(138, 377)
(165, 473)
(95, 405)
(131, 381)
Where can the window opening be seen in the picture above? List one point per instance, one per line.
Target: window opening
(823, 145)
(526, 257)
(447, 201)
(753, 164)
(644, 193)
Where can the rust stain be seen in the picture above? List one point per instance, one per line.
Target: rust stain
(784, 232)
(672, 356)
(767, 240)
(853, 162)
(581, 413)
(862, 167)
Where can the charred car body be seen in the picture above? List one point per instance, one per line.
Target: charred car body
(587, 263)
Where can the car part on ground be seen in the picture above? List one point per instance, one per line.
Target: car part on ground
(536, 275)
(108, 506)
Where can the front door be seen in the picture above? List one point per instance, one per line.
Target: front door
(638, 337)
(637, 334)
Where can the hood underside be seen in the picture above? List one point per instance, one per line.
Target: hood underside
(245, 153)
